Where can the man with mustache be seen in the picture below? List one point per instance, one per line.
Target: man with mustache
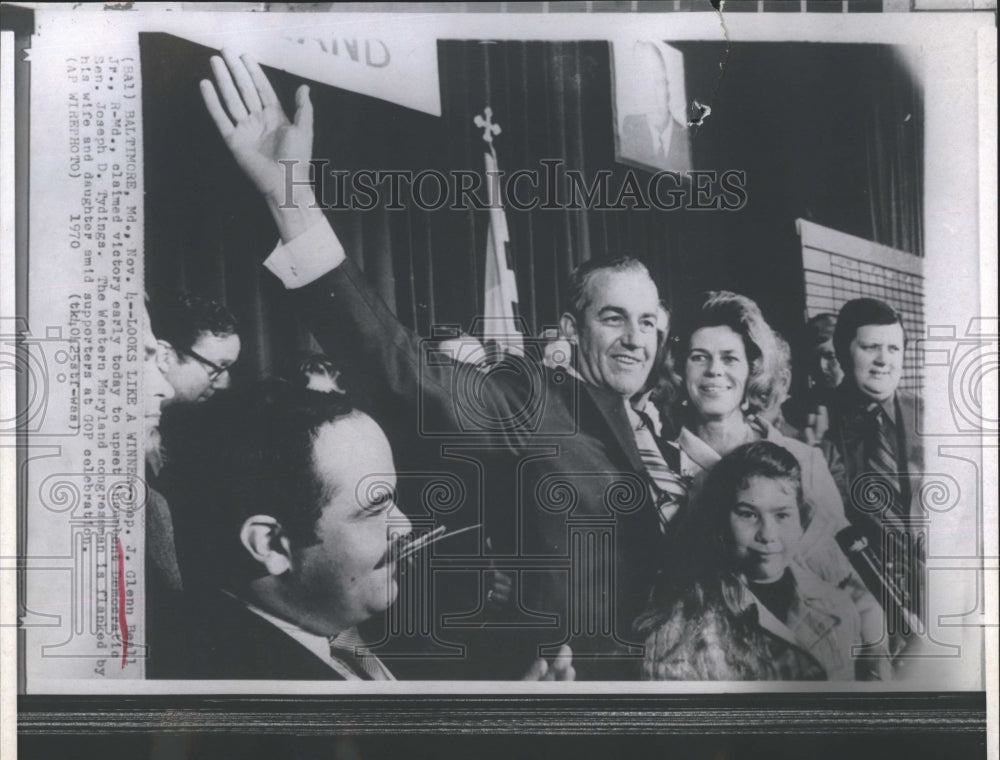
(575, 451)
(300, 517)
(297, 529)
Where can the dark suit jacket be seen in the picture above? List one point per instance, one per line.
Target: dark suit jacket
(636, 144)
(844, 445)
(226, 641)
(164, 589)
(844, 449)
(579, 478)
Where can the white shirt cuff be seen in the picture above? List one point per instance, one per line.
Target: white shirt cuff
(306, 258)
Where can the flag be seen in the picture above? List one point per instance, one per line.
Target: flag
(500, 311)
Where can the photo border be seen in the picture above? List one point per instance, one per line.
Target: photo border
(744, 714)
(758, 713)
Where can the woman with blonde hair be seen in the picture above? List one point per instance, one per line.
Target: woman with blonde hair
(723, 364)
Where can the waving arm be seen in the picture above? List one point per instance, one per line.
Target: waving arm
(270, 149)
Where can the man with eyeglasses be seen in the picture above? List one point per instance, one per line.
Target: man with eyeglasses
(199, 344)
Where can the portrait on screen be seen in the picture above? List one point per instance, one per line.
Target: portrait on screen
(650, 106)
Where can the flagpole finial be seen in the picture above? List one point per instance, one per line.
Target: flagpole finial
(485, 123)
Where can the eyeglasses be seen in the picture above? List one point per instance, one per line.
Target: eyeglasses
(215, 371)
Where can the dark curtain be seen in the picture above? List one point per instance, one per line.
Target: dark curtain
(207, 231)
(895, 151)
(817, 134)
(553, 102)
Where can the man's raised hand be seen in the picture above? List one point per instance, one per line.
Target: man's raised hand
(254, 126)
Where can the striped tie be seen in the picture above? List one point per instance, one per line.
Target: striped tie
(881, 460)
(669, 491)
(349, 648)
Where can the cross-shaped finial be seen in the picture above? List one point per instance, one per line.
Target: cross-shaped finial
(490, 130)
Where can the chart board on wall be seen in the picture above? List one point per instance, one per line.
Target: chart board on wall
(838, 267)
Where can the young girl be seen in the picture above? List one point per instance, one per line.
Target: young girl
(756, 611)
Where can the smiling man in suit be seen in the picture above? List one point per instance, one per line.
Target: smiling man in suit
(585, 501)
(873, 448)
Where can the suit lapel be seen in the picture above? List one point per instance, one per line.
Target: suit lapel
(906, 415)
(611, 407)
(852, 434)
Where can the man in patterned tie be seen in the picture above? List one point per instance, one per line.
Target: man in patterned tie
(873, 449)
(566, 440)
(647, 412)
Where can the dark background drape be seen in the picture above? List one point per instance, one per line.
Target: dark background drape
(818, 134)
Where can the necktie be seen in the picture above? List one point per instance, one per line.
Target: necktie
(881, 458)
(348, 647)
(669, 490)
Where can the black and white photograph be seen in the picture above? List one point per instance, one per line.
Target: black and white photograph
(652, 125)
(533, 360)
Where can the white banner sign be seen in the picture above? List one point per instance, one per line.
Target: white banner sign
(362, 58)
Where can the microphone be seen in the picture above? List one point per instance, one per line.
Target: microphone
(866, 564)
